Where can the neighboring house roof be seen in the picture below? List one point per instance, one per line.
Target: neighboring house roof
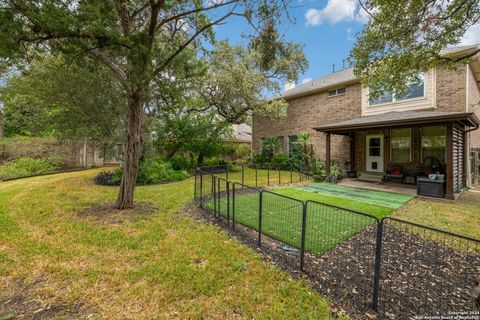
(401, 118)
(346, 76)
(242, 133)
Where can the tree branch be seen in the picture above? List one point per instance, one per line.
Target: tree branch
(117, 71)
(186, 43)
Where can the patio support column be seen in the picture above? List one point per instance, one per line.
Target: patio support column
(327, 154)
(449, 162)
(353, 172)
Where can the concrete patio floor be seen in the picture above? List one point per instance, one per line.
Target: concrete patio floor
(379, 186)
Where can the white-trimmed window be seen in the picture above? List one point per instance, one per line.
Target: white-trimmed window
(414, 90)
(400, 145)
(337, 92)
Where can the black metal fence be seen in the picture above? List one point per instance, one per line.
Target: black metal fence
(392, 265)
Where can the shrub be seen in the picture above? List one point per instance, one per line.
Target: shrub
(25, 167)
(181, 163)
(177, 175)
(56, 161)
(104, 178)
(234, 167)
(150, 171)
(280, 161)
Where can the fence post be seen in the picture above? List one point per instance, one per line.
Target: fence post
(214, 194)
(279, 178)
(226, 172)
(233, 206)
(195, 186)
(304, 228)
(256, 175)
(219, 190)
(243, 174)
(291, 174)
(227, 183)
(378, 264)
(260, 210)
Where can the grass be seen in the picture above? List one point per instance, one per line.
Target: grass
(461, 216)
(158, 265)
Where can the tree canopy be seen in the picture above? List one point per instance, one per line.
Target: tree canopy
(137, 41)
(405, 37)
(58, 97)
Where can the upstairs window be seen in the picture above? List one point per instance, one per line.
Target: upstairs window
(414, 90)
(336, 92)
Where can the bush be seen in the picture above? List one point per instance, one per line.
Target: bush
(280, 161)
(234, 167)
(104, 178)
(25, 167)
(150, 171)
(177, 175)
(181, 163)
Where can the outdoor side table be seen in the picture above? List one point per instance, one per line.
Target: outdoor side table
(430, 188)
(409, 178)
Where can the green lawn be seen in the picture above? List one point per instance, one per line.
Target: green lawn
(460, 216)
(159, 264)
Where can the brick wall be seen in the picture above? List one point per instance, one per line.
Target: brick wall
(451, 88)
(312, 111)
(473, 105)
(318, 109)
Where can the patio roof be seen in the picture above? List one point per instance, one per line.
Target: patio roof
(398, 119)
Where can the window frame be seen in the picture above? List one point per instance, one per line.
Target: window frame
(395, 100)
(410, 146)
(336, 92)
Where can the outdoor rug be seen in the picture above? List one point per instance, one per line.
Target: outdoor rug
(386, 199)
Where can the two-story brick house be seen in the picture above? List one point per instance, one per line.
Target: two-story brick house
(435, 121)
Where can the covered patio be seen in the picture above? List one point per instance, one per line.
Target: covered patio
(407, 147)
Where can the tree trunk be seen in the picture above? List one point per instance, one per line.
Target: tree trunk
(132, 153)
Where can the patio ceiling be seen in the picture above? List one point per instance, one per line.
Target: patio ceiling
(399, 119)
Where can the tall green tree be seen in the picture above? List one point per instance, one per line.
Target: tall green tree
(405, 37)
(137, 40)
(58, 97)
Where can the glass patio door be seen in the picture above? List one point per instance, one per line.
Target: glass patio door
(374, 158)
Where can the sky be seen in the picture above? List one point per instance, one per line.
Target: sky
(326, 28)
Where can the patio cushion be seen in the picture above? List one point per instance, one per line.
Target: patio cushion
(396, 171)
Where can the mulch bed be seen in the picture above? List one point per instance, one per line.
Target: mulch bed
(419, 277)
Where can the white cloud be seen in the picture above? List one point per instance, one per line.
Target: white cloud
(472, 36)
(306, 80)
(350, 35)
(336, 11)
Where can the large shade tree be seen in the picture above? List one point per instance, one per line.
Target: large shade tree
(137, 40)
(405, 37)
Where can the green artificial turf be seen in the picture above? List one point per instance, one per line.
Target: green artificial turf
(381, 198)
(326, 226)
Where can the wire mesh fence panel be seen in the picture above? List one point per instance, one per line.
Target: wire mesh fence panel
(245, 202)
(206, 190)
(328, 226)
(341, 252)
(282, 218)
(427, 272)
